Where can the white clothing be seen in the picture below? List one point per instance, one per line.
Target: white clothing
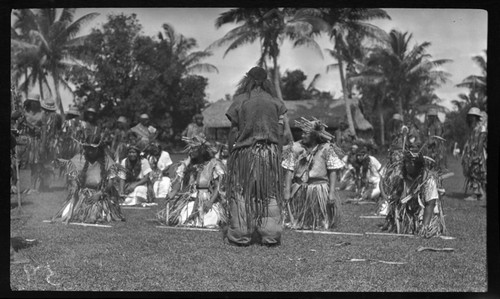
(140, 193)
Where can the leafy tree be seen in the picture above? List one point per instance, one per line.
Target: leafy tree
(293, 85)
(129, 74)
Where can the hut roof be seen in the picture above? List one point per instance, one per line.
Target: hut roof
(332, 113)
(214, 116)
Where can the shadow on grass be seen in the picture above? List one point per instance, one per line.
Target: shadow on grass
(456, 195)
(56, 189)
(13, 205)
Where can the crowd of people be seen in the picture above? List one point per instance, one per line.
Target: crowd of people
(257, 183)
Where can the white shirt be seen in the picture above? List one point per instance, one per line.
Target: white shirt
(164, 161)
(145, 168)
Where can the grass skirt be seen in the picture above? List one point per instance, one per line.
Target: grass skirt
(254, 173)
(311, 207)
(89, 205)
(191, 209)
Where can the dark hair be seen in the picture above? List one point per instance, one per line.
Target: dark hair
(30, 105)
(248, 83)
(94, 139)
(315, 135)
(419, 162)
(133, 170)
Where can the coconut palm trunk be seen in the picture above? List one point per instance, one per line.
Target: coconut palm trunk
(288, 137)
(55, 76)
(382, 124)
(347, 102)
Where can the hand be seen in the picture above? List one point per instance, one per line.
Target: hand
(286, 196)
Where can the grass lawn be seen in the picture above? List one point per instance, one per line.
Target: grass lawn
(135, 255)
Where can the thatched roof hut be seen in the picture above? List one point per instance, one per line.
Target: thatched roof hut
(214, 116)
(332, 113)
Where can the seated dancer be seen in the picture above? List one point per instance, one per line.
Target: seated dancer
(415, 207)
(93, 193)
(159, 160)
(311, 177)
(134, 187)
(200, 178)
(369, 170)
(349, 175)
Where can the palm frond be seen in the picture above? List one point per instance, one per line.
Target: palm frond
(72, 30)
(202, 67)
(241, 40)
(309, 42)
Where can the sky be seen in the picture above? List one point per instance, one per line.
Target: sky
(456, 34)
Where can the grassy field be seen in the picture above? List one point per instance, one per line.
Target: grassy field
(135, 255)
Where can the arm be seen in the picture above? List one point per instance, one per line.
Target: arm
(231, 139)
(288, 185)
(428, 212)
(332, 175)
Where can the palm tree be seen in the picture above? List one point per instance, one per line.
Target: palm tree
(477, 84)
(26, 55)
(348, 29)
(58, 36)
(55, 35)
(179, 50)
(271, 26)
(407, 78)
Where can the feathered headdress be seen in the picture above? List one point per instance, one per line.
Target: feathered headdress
(196, 142)
(314, 125)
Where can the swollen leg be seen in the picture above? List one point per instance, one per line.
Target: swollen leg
(270, 228)
(238, 232)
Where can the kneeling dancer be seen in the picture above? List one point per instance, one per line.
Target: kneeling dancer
(93, 193)
(199, 177)
(311, 177)
(417, 209)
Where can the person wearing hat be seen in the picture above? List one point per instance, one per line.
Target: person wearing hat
(71, 133)
(51, 129)
(200, 176)
(195, 128)
(254, 180)
(93, 179)
(134, 188)
(416, 207)
(474, 156)
(311, 177)
(145, 132)
(30, 125)
(435, 146)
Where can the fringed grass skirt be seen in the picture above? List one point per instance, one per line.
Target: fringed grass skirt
(255, 175)
(190, 209)
(89, 205)
(402, 219)
(312, 208)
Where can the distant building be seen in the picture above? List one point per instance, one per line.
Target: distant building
(332, 113)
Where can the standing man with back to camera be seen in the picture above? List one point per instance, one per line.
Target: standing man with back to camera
(254, 180)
